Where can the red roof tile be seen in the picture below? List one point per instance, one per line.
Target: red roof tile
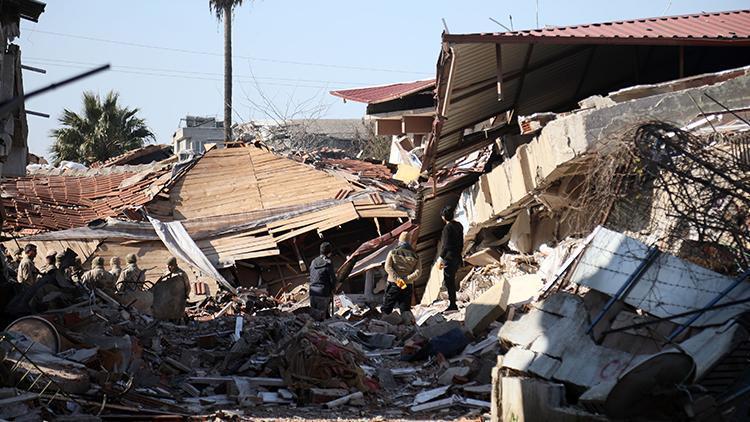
(42, 203)
(730, 28)
(382, 93)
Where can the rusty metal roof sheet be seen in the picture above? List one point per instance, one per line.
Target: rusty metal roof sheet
(383, 93)
(42, 203)
(552, 69)
(726, 28)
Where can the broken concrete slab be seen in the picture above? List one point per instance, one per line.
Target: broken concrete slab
(561, 304)
(484, 257)
(518, 359)
(585, 364)
(436, 405)
(447, 378)
(492, 303)
(544, 366)
(529, 400)
(513, 184)
(561, 334)
(487, 308)
(523, 288)
(429, 395)
(528, 328)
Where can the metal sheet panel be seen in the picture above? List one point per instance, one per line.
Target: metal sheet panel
(669, 286)
(730, 27)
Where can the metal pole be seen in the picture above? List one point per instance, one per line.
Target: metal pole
(679, 315)
(11, 104)
(651, 256)
(741, 278)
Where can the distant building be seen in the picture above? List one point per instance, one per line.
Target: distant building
(195, 133)
(345, 136)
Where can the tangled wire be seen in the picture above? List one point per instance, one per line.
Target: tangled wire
(706, 186)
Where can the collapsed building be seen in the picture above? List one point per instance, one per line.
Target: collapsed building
(258, 215)
(554, 173)
(599, 172)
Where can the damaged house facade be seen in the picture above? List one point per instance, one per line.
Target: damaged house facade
(599, 172)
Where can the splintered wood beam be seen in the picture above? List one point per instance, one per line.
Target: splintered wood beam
(499, 70)
(416, 124)
(385, 127)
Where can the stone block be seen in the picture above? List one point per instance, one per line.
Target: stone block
(487, 308)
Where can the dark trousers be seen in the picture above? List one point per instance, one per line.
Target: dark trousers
(449, 278)
(397, 297)
(320, 307)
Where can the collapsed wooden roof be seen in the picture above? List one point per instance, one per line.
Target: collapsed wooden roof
(243, 179)
(237, 203)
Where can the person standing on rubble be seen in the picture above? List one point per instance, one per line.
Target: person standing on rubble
(98, 277)
(449, 259)
(403, 268)
(171, 292)
(27, 272)
(322, 282)
(114, 267)
(131, 278)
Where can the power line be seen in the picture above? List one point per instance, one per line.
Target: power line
(209, 53)
(188, 72)
(164, 75)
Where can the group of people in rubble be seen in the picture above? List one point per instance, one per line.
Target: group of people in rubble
(61, 274)
(403, 268)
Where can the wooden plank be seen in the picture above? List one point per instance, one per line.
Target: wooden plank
(416, 124)
(386, 127)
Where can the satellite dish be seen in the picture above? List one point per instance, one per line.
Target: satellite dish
(633, 394)
(38, 330)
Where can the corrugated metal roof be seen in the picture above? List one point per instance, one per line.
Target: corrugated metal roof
(383, 93)
(550, 69)
(730, 27)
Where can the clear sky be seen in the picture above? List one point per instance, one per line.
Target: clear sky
(167, 54)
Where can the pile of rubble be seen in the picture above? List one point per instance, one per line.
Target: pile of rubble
(241, 353)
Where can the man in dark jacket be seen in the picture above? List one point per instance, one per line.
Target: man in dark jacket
(452, 241)
(322, 282)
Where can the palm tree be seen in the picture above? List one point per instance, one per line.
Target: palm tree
(104, 130)
(223, 9)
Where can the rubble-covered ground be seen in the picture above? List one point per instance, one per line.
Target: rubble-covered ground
(238, 357)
